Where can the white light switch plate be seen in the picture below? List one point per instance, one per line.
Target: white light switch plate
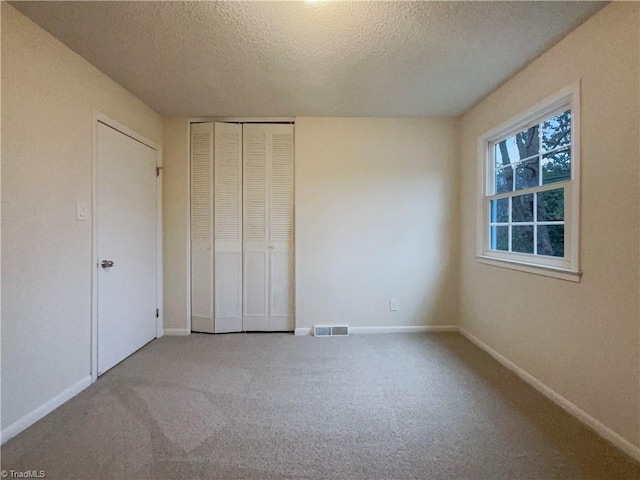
(393, 305)
(82, 212)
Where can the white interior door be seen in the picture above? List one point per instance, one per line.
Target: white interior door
(126, 243)
(228, 227)
(202, 318)
(268, 228)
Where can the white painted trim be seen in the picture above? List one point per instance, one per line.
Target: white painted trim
(46, 408)
(94, 251)
(595, 425)
(404, 329)
(177, 332)
(188, 177)
(99, 117)
(391, 329)
(522, 120)
(543, 270)
(244, 120)
(159, 249)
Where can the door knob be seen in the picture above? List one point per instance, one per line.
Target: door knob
(106, 263)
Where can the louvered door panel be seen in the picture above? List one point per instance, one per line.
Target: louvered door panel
(228, 227)
(268, 227)
(254, 220)
(255, 226)
(202, 227)
(281, 220)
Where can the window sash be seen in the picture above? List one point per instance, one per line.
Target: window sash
(541, 153)
(525, 191)
(544, 115)
(492, 169)
(566, 267)
(531, 258)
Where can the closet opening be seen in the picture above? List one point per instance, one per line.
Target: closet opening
(242, 226)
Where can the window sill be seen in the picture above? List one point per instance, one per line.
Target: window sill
(546, 271)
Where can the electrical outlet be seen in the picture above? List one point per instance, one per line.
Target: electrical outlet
(393, 305)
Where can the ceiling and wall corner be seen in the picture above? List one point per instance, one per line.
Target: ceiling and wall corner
(327, 58)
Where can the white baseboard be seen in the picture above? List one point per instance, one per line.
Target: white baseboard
(404, 329)
(397, 329)
(176, 332)
(44, 409)
(595, 425)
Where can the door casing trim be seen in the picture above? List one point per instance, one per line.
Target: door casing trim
(99, 117)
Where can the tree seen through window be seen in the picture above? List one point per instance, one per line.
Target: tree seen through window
(535, 157)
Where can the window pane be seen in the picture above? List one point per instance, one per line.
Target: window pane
(500, 159)
(522, 145)
(500, 210)
(551, 205)
(527, 143)
(551, 240)
(523, 208)
(556, 132)
(505, 152)
(556, 166)
(527, 174)
(500, 238)
(504, 180)
(522, 240)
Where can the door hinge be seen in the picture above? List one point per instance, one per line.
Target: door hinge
(157, 313)
(158, 171)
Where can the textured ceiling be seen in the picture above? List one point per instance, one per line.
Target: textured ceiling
(326, 58)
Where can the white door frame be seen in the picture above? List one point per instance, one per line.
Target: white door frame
(99, 117)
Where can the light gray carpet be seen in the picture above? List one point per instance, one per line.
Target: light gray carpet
(267, 406)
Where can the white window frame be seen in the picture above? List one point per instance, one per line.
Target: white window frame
(566, 268)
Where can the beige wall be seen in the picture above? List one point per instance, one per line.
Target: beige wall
(48, 97)
(175, 227)
(582, 340)
(375, 220)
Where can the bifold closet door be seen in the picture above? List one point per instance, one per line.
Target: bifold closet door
(241, 227)
(216, 227)
(202, 227)
(227, 210)
(268, 227)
